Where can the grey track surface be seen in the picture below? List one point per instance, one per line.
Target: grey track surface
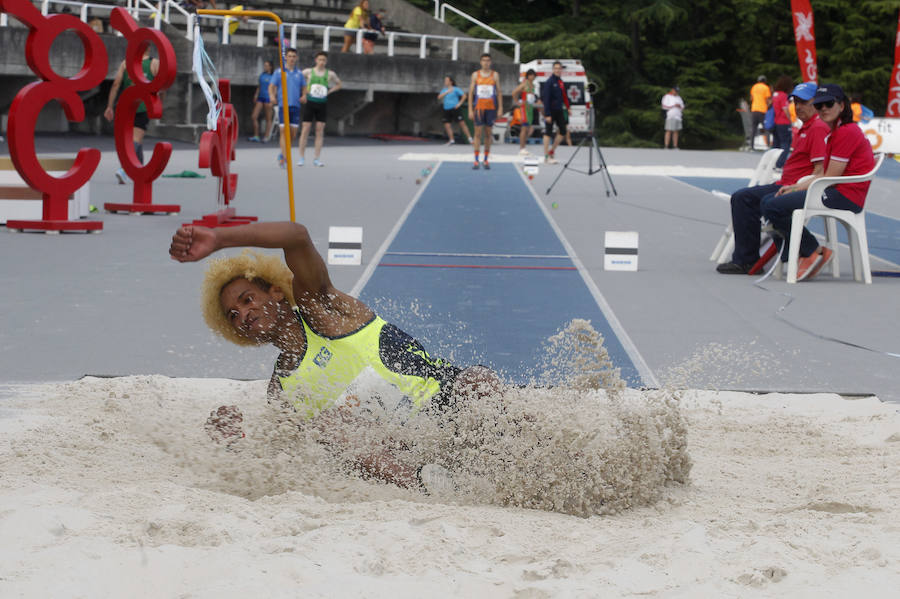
(114, 303)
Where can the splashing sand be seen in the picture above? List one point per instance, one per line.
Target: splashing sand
(112, 488)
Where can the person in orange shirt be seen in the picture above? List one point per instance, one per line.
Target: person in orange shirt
(760, 100)
(485, 103)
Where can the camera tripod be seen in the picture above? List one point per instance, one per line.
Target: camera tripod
(601, 163)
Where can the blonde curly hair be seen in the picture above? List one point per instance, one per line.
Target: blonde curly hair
(254, 266)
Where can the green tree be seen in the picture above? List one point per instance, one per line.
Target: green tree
(712, 49)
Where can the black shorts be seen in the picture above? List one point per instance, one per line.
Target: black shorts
(141, 120)
(403, 354)
(452, 115)
(559, 118)
(315, 112)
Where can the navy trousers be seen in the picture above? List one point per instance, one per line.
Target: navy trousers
(780, 209)
(746, 209)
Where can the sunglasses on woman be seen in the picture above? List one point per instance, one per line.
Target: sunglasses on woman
(822, 105)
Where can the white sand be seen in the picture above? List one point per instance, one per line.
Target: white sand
(110, 488)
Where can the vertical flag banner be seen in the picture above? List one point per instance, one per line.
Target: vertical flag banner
(893, 105)
(805, 36)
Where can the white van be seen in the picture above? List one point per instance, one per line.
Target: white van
(575, 79)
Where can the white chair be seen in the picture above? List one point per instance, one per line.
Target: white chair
(763, 175)
(853, 222)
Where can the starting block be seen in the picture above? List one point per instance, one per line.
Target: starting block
(345, 246)
(621, 250)
(530, 166)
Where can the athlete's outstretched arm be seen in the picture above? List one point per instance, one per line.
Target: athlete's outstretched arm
(192, 243)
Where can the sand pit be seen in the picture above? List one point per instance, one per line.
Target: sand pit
(112, 489)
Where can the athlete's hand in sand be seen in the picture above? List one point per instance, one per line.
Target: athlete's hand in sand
(191, 243)
(224, 425)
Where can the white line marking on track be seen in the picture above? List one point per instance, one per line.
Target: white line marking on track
(373, 264)
(630, 348)
(463, 255)
(660, 170)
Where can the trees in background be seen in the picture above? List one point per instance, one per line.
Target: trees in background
(635, 50)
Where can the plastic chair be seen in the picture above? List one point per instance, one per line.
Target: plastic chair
(853, 222)
(763, 175)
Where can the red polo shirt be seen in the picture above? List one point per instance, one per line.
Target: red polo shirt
(808, 146)
(848, 144)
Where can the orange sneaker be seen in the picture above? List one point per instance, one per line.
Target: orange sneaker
(807, 264)
(826, 255)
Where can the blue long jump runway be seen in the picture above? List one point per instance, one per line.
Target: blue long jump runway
(478, 274)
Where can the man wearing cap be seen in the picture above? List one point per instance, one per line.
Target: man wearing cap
(760, 100)
(674, 107)
(807, 158)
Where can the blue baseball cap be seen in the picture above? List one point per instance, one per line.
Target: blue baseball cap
(829, 91)
(805, 91)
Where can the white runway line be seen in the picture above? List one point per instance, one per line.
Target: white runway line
(628, 345)
(373, 263)
(662, 170)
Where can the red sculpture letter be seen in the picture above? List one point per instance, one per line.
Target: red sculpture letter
(146, 91)
(216, 154)
(27, 105)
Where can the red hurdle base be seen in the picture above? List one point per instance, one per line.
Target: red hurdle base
(143, 208)
(55, 226)
(223, 218)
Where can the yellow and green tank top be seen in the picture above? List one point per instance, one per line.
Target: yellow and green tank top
(333, 369)
(317, 88)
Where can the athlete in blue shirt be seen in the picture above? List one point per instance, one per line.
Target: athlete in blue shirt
(262, 102)
(296, 93)
(453, 98)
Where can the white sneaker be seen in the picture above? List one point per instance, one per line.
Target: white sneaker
(317, 162)
(301, 162)
(121, 177)
(524, 152)
(451, 142)
(550, 160)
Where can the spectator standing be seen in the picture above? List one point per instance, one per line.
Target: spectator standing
(556, 103)
(528, 102)
(674, 107)
(263, 103)
(150, 67)
(359, 19)
(296, 96)
(780, 105)
(485, 103)
(320, 84)
(806, 158)
(375, 27)
(847, 153)
(861, 112)
(453, 97)
(760, 99)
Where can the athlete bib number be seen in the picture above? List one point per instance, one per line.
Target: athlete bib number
(529, 98)
(318, 91)
(484, 92)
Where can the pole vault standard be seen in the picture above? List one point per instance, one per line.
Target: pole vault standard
(285, 118)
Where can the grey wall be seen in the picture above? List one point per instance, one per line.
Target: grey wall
(383, 94)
